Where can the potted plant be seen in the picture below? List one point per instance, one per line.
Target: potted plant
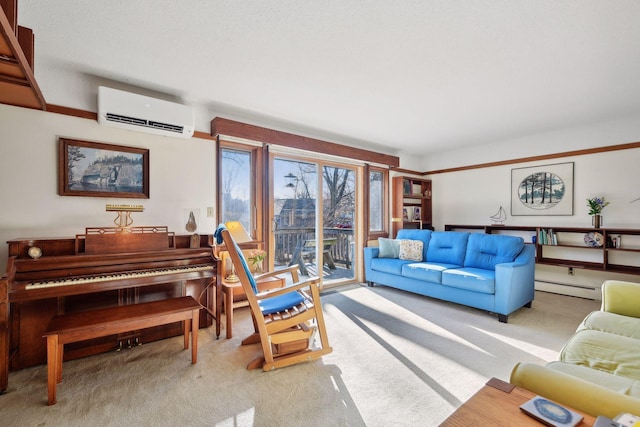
(255, 258)
(596, 205)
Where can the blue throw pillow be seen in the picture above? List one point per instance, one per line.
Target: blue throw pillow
(389, 248)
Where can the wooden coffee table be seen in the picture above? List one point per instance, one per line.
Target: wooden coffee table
(498, 404)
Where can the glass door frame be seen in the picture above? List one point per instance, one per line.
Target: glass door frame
(356, 262)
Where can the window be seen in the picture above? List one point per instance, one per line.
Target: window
(302, 199)
(376, 201)
(236, 192)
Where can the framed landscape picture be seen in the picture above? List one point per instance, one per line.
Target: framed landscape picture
(542, 190)
(102, 170)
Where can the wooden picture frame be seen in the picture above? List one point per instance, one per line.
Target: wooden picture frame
(94, 169)
(417, 215)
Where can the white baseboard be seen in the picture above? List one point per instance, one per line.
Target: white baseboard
(568, 289)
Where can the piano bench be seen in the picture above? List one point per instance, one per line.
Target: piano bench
(80, 326)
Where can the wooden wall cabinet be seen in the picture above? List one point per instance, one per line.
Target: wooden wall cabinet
(411, 203)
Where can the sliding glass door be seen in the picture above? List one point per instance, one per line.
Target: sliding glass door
(338, 218)
(316, 233)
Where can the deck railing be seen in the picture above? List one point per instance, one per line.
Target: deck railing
(286, 240)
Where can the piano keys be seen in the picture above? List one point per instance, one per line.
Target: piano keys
(104, 267)
(115, 277)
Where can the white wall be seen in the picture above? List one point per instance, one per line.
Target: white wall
(472, 196)
(621, 130)
(182, 176)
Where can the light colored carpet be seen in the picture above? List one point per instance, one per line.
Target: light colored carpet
(399, 360)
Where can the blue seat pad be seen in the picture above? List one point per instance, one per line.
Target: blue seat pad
(280, 303)
(428, 271)
(473, 279)
(389, 265)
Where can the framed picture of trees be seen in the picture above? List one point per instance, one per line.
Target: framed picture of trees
(102, 170)
(542, 190)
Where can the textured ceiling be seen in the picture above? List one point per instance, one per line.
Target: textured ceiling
(411, 76)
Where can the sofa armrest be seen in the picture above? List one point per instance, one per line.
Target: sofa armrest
(621, 298)
(370, 252)
(574, 392)
(515, 283)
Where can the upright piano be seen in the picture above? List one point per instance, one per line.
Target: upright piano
(105, 266)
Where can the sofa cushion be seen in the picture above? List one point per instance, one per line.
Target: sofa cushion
(427, 271)
(487, 250)
(603, 351)
(388, 265)
(389, 248)
(612, 323)
(424, 235)
(411, 250)
(472, 279)
(623, 385)
(447, 247)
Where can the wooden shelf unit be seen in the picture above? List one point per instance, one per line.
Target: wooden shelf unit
(18, 84)
(408, 195)
(571, 251)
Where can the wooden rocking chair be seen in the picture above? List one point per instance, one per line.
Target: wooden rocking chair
(286, 319)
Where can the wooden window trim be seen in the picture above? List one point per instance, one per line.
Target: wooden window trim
(257, 191)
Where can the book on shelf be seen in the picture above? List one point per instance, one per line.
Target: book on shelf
(547, 237)
(406, 187)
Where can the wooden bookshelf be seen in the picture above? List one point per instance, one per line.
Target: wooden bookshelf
(411, 203)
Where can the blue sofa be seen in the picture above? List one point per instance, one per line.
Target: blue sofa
(486, 271)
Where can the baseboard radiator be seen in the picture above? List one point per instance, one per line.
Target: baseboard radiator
(570, 289)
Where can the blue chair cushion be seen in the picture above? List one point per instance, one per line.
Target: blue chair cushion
(487, 250)
(280, 303)
(447, 247)
(472, 279)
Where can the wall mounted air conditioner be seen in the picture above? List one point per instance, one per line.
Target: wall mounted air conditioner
(138, 112)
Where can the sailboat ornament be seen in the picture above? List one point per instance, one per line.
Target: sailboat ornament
(499, 217)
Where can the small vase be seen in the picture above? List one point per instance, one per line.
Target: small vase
(258, 267)
(596, 221)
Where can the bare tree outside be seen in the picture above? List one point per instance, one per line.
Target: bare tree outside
(339, 188)
(236, 187)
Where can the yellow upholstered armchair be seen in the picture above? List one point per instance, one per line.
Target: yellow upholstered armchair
(598, 369)
(286, 320)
